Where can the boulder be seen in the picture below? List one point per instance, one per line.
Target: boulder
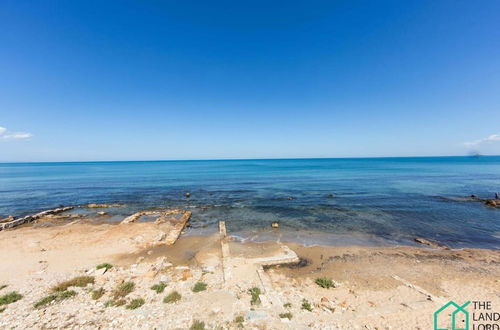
(492, 203)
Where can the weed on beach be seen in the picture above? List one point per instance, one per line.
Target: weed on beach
(96, 294)
(286, 315)
(104, 265)
(199, 286)
(172, 297)
(197, 325)
(123, 289)
(54, 297)
(255, 293)
(287, 305)
(3, 286)
(136, 303)
(239, 320)
(325, 282)
(2, 309)
(10, 298)
(115, 303)
(306, 305)
(159, 288)
(80, 281)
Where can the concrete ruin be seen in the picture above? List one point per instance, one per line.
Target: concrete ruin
(171, 221)
(33, 217)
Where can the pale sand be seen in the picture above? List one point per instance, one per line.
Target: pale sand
(378, 287)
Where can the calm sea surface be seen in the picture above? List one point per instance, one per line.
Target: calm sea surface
(330, 201)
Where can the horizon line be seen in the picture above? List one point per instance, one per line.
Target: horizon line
(236, 159)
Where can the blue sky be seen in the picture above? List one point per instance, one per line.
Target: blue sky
(134, 80)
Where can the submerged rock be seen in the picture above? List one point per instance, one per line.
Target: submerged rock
(97, 206)
(275, 224)
(431, 244)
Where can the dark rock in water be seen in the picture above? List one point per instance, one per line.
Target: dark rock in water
(473, 196)
(492, 203)
(275, 224)
(431, 244)
(496, 196)
(187, 195)
(330, 195)
(290, 198)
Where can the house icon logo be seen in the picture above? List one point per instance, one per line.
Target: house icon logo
(452, 317)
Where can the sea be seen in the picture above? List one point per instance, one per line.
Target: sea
(362, 201)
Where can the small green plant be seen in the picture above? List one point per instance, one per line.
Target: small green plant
(80, 281)
(3, 286)
(287, 305)
(198, 325)
(109, 303)
(67, 294)
(255, 293)
(96, 294)
(306, 305)
(136, 303)
(286, 315)
(172, 297)
(159, 288)
(123, 289)
(115, 303)
(104, 265)
(239, 320)
(54, 297)
(325, 282)
(10, 298)
(199, 286)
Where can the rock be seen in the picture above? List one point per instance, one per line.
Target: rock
(290, 198)
(186, 274)
(492, 203)
(275, 224)
(100, 271)
(256, 316)
(327, 304)
(9, 218)
(97, 206)
(187, 195)
(101, 213)
(160, 236)
(431, 244)
(330, 195)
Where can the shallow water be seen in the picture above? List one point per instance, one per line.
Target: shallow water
(374, 200)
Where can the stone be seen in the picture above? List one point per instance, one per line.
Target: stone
(275, 224)
(492, 203)
(101, 213)
(101, 271)
(187, 195)
(252, 316)
(160, 236)
(429, 243)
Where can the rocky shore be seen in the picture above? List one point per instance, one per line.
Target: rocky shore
(84, 276)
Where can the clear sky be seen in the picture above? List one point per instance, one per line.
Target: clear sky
(138, 80)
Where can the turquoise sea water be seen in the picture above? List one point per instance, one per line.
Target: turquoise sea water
(376, 200)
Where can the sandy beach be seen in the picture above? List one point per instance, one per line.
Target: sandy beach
(374, 287)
